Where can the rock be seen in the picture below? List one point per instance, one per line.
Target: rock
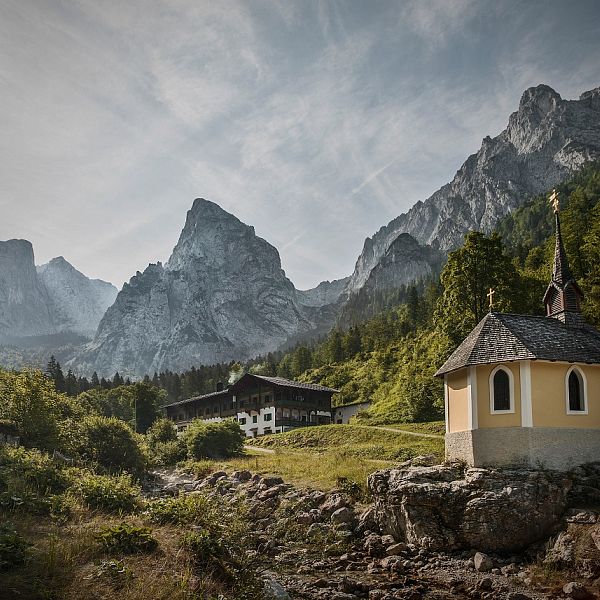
(582, 516)
(373, 545)
(445, 508)
(305, 519)
(517, 596)
(595, 535)
(275, 591)
(241, 475)
(577, 591)
(269, 482)
(395, 549)
(482, 562)
(332, 503)
(562, 553)
(387, 540)
(342, 515)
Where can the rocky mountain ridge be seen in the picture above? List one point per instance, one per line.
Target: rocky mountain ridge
(546, 140)
(54, 298)
(221, 296)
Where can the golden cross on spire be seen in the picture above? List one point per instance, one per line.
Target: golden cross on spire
(490, 295)
(555, 201)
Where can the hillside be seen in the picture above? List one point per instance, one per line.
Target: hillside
(391, 358)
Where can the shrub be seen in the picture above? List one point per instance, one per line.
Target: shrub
(162, 430)
(166, 454)
(127, 539)
(30, 401)
(203, 547)
(35, 469)
(109, 493)
(185, 509)
(14, 549)
(110, 443)
(214, 440)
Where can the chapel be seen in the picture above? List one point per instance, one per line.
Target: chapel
(524, 390)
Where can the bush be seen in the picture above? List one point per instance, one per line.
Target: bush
(109, 493)
(162, 430)
(35, 469)
(14, 549)
(127, 539)
(203, 547)
(185, 509)
(30, 401)
(166, 454)
(110, 443)
(214, 440)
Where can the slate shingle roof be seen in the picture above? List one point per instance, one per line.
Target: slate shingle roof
(274, 380)
(295, 384)
(503, 337)
(219, 393)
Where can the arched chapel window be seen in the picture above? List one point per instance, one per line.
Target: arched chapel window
(501, 391)
(575, 391)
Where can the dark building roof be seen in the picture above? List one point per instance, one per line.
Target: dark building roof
(294, 384)
(201, 397)
(279, 381)
(504, 337)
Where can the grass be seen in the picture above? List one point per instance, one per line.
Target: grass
(320, 457)
(355, 440)
(432, 427)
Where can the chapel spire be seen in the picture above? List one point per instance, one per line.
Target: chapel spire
(563, 296)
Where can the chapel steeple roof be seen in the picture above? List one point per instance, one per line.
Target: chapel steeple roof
(563, 296)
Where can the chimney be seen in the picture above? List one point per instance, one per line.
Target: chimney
(219, 386)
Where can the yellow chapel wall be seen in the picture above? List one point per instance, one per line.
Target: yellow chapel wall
(485, 417)
(548, 396)
(458, 401)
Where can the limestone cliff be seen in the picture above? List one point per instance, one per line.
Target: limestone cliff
(221, 296)
(546, 140)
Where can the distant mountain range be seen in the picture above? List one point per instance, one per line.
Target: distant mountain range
(222, 295)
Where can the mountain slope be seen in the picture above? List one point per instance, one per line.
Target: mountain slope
(77, 303)
(546, 140)
(221, 296)
(24, 301)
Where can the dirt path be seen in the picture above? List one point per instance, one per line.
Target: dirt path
(260, 449)
(393, 429)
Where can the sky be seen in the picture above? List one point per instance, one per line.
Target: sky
(315, 122)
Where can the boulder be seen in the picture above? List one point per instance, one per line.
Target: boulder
(577, 591)
(343, 515)
(483, 563)
(444, 507)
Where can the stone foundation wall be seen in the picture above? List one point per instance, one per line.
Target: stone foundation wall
(534, 447)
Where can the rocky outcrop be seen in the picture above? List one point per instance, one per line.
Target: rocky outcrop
(447, 508)
(221, 296)
(77, 303)
(546, 140)
(327, 292)
(48, 300)
(24, 302)
(404, 262)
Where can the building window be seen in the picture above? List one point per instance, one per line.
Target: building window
(576, 392)
(255, 418)
(242, 420)
(268, 416)
(207, 411)
(215, 410)
(267, 398)
(502, 397)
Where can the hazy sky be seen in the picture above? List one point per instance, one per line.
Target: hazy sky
(316, 122)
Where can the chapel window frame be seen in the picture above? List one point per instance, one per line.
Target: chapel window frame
(511, 391)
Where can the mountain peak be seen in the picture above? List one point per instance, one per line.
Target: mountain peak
(541, 96)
